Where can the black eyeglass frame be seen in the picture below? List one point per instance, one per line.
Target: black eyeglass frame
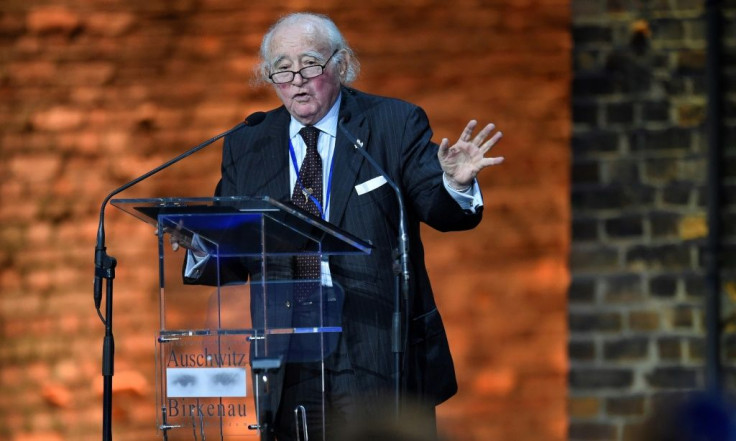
(302, 71)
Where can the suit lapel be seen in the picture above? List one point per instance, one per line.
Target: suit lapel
(273, 160)
(346, 161)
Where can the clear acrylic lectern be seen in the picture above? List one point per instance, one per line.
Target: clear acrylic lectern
(227, 321)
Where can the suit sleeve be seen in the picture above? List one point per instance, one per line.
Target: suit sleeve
(422, 179)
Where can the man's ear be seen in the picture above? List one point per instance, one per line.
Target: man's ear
(342, 68)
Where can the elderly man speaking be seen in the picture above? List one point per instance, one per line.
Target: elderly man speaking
(300, 153)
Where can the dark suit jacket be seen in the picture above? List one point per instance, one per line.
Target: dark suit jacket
(397, 134)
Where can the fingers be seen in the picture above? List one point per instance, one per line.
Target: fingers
(492, 161)
(468, 131)
(174, 241)
(467, 141)
(467, 134)
(444, 148)
(483, 134)
(484, 148)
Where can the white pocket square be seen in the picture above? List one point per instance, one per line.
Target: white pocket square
(370, 185)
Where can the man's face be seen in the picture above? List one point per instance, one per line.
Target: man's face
(296, 46)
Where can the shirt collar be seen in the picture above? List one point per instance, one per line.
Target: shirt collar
(327, 124)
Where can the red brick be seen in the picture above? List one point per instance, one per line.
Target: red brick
(57, 395)
(91, 73)
(38, 436)
(58, 118)
(36, 168)
(52, 19)
(109, 24)
(29, 73)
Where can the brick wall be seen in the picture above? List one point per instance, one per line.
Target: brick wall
(636, 315)
(94, 93)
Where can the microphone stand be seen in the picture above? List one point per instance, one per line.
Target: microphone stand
(401, 268)
(105, 270)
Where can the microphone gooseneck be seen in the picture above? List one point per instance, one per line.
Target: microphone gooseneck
(100, 259)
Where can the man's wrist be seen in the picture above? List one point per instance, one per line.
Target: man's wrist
(457, 187)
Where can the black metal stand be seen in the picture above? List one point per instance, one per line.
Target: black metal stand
(106, 271)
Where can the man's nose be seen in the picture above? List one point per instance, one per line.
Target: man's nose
(298, 79)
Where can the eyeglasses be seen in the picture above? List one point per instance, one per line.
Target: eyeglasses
(306, 72)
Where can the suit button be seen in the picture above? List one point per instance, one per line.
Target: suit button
(287, 304)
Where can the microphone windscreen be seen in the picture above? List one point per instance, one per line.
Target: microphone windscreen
(255, 118)
(345, 117)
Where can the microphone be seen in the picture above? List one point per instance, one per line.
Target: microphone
(104, 264)
(254, 118)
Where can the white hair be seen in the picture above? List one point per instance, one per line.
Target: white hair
(343, 52)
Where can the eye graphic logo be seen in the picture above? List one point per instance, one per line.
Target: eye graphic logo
(205, 382)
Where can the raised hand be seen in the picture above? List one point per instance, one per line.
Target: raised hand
(463, 161)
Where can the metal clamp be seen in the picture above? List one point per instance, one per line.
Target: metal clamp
(165, 427)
